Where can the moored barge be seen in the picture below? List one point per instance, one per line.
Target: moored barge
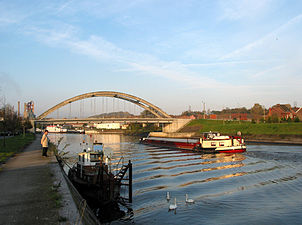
(210, 142)
(95, 181)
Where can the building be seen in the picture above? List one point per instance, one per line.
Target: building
(110, 126)
(29, 110)
(239, 116)
(284, 111)
(299, 113)
(232, 116)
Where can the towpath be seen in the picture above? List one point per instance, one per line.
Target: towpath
(27, 193)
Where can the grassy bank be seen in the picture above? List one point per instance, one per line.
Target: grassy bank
(14, 145)
(246, 128)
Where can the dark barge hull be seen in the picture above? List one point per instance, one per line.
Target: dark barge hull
(171, 144)
(93, 193)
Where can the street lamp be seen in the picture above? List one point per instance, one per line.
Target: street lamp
(263, 113)
(204, 109)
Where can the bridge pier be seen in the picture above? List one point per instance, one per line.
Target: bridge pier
(176, 125)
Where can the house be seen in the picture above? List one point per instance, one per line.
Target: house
(299, 113)
(239, 116)
(232, 116)
(282, 111)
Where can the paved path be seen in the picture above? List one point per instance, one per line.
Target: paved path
(25, 189)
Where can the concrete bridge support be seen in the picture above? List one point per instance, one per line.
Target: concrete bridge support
(176, 125)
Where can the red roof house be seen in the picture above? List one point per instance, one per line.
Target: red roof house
(282, 111)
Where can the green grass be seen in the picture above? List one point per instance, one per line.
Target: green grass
(14, 145)
(248, 128)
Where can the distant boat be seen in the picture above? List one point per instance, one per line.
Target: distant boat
(210, 142)
(56, 129)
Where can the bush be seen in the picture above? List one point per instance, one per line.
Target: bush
(275, 119)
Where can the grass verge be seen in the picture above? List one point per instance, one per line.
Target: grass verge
(247, 128)
(12, 145)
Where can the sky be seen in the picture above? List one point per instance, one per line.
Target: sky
(174, 54)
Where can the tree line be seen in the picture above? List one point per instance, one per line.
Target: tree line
(10, 122)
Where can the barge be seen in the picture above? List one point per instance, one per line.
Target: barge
(210, 142)
(93, 178)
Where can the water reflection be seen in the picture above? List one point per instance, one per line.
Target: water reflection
(265, 182)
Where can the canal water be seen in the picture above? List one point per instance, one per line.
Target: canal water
(261, 186)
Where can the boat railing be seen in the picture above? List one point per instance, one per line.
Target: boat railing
(119, 165)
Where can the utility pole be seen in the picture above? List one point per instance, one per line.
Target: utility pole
(263, 113)
(204, 109)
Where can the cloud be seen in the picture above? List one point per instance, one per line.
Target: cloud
(236, 10)
(8, 85)
(263, 40)
(267, 71)
(9, 14)
(99, 48)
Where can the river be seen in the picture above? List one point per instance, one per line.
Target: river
(261, 186)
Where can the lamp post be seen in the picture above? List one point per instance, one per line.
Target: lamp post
(204, 109)
(263, 113)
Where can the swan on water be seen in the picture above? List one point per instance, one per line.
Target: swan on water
(168, 196)
(173, 206)
(189, 200)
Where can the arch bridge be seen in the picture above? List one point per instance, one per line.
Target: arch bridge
(156, 111)
(170, 124)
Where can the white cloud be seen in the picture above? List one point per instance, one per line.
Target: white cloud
(267, 71)
(243, 51)
(239, 9)
(101, 49)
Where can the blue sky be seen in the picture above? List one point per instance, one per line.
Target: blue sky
(174, 54)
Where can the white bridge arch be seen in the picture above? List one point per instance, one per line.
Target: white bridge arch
(156, 111)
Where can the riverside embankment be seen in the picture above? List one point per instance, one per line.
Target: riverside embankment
(33, 191)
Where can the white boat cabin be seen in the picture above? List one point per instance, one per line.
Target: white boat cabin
(91, 157)
(215, 140)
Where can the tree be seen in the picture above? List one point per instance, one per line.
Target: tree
(257, 111)
(11, 122)
(147, 114)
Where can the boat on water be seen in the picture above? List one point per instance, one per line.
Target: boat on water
(210, 142)
(96, 182)
(56, 129)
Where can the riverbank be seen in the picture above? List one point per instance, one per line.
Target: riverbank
(32, 191)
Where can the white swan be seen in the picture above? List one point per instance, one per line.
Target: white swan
(173, 206)
(168, 196)
(189, 200)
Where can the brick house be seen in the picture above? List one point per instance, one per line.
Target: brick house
(239, 116)
(232, 116)
(282, 111)
(299, 113)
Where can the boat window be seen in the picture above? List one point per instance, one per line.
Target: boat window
(94, 157)
(83, 158)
